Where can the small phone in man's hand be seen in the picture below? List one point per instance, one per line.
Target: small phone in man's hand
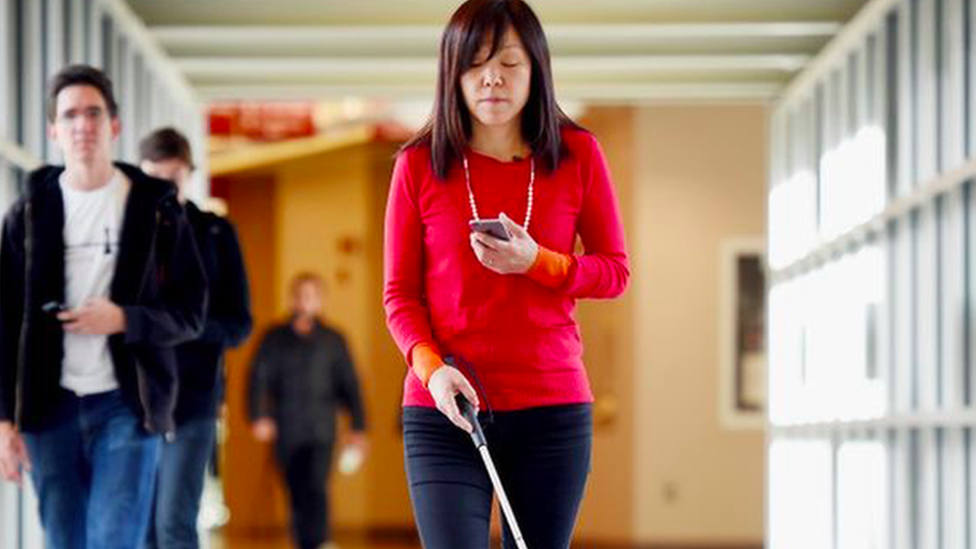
(493, 227)
(53, 308)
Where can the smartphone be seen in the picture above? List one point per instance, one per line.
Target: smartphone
(493, 227)
(53, 308)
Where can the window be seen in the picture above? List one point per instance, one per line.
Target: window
(871, 320)
(38, 37)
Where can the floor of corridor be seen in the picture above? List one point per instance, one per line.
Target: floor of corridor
(346, 541)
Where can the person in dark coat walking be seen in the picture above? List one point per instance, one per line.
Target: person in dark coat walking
(165, 153)
(301, 375)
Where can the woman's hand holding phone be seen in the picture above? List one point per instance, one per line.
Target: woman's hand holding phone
(513, 256)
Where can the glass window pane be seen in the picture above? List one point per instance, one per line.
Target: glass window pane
(8, 71)
(926, 306)
(902, 509)
(971, 70)
(785, 353)
(9, 515)
(792, 200)
(953, 504)
(903, 316)
(32, 126)
(862, 490)
(952, 84)
(903, 30)
(926, 134)
(952, 291)
(926, 480)
(800, 494)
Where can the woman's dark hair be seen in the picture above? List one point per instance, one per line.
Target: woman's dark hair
(449, 127)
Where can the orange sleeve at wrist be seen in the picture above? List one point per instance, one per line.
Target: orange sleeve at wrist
(550, 268)
(425, 359)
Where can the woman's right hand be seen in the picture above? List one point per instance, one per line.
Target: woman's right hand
(444, 384)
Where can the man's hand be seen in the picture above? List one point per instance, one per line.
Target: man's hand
(353, 453)
(13, 453)
(359, 440)
(265, 429)
(98, 316)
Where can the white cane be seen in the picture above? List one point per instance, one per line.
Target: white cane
(478, 437)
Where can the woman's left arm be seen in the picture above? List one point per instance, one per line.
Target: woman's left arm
(602, 270)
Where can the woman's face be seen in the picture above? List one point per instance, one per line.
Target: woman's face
(496, 90)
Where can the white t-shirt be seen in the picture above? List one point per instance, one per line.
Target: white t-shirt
(92, 225)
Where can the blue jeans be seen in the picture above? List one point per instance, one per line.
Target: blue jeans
(179, 485)
(93, 470)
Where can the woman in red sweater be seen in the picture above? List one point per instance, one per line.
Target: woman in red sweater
(497, 144)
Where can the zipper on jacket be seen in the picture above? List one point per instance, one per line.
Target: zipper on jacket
(25, 322)
(140, 376)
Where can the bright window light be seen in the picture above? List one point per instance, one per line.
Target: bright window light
(800, 495)
(853, 185)
(792, 218)
(862, 496)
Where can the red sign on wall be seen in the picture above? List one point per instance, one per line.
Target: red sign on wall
(262, 121)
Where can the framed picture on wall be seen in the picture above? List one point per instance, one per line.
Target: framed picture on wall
(742, 333)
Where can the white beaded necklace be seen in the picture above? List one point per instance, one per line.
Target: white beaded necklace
(528, 207)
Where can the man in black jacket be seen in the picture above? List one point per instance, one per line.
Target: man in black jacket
(100, 280)
(166, 154)
(301, 374)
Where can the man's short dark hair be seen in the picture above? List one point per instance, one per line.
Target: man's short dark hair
(80, 75)
(166, 144)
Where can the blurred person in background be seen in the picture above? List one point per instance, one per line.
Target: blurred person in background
(301, 375)
(470, 309)
(166, 154)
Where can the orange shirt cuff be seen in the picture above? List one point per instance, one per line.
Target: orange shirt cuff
(425, 360)
(551, 269)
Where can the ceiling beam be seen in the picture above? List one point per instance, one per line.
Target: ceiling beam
(205, 35)
(136, 31)
(304, 69)
(593, 93)
(436, 12)
(871, 16)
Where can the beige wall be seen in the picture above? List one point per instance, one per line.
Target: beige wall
(321, 205)
(701, 178)
(253, 492)
(323, 214)
(607, 513)
(330, 223)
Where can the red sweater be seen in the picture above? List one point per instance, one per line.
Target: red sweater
(520, 337)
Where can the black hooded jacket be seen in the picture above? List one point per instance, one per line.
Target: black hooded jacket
(228, 321)
(159, 282)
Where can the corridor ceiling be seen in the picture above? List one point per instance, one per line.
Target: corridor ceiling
(604, 51)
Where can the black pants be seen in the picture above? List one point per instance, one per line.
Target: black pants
(542, 456)
(306, 468)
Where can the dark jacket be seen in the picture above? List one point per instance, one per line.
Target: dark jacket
(299, 381)
(228, 322)
(158, 281)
